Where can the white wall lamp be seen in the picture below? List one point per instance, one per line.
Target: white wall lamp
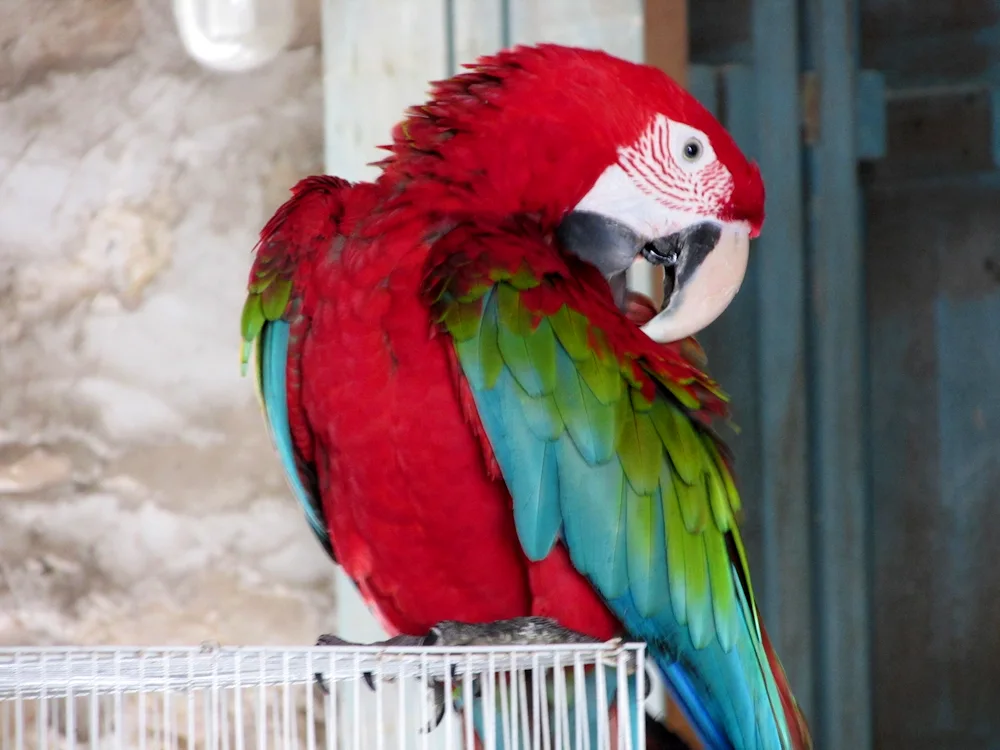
(234, 35)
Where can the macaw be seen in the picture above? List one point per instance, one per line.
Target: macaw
(478, 428)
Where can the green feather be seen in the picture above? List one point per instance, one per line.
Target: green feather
(479, 354)
(514, 316)
(720, 573)
(735, 502)
(252, 320)
(744, 565)
(639, 448)
(267, 299)
(469, 358)
(246, 347)
(541, 344)
(462, 319)
(475, 291)
(490, 359)
(694, 509)
(591, 424)
(682, 394)
(524, 278)
(640, 554)
(699, 598)
(572, 329)
(264, 276)
(678, 435)
(603, 376)
(646, 552)
(529, 352)
(675, 536)
(639, 402)
(718, 499)
(274, 298)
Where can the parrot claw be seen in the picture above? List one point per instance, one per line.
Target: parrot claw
(397, 641)
(439, 705)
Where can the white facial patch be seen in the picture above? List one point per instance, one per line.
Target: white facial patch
(616, 196)
(669, 178)
(676, 165)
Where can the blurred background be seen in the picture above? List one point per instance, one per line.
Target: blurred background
(143, 144)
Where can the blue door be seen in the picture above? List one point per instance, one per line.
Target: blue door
(863, 355)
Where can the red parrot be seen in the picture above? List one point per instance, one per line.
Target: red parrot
(476, 429)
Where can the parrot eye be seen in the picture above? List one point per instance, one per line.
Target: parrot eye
(692, 149)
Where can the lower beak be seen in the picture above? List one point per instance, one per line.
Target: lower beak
(705, 265)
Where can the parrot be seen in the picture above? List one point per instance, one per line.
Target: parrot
(481, 422)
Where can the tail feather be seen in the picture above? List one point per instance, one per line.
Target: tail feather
(779, 723)
(736, 699)
(275, 320)
(798, 728)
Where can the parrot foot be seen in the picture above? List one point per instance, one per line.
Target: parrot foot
(517, 631)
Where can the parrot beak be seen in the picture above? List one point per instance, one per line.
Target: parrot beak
(704, 266)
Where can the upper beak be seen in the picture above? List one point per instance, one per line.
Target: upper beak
(704, 266)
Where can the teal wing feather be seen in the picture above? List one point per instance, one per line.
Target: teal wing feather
(271, 361)
(274, 325)
(601, 452)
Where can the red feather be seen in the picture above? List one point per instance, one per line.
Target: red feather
(801, 738)
(298, 235)
(473, 187)
(418, 515)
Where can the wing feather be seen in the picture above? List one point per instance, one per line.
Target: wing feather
(274, 324)
(625, 473)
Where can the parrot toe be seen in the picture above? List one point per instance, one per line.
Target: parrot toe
(397, 641)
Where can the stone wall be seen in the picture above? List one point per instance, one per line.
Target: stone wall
(140, 501)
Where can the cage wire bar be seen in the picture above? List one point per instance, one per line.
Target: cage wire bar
(270, 699)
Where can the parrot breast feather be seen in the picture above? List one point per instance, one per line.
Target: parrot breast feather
(274, 324)
(597, 433)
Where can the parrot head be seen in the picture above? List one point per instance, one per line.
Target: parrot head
(615, 157)
(683, 197)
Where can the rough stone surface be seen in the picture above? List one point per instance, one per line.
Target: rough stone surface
(140, 501)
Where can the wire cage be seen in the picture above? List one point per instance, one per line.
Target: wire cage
(330, 698)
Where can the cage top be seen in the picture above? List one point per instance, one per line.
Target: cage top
(52, 671)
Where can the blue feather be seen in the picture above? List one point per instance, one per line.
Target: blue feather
(272, 360)
(528, 468)
(595, 529)
(719, 669)
(569, 478)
